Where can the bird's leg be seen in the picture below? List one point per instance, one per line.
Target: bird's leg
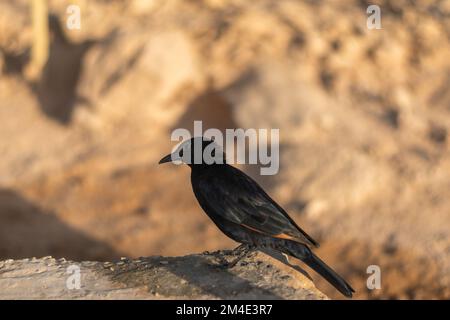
(239, 249)
(245, 251)
(223, 262)
(242, 251)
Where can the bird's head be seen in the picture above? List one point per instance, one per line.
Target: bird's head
(196, 151)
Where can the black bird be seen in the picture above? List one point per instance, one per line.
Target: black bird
(244, 212)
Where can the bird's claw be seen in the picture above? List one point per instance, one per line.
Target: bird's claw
(241, 252)
(223, 263)
(223, 266)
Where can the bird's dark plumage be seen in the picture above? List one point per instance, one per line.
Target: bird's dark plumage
(229, 193)
(244, 212)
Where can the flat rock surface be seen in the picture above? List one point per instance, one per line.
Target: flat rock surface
(190, 277)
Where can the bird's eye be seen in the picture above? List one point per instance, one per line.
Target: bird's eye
(181, 152)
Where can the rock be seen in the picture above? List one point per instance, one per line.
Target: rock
(189, 277)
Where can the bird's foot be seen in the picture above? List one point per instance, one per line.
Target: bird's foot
(241, 252)
(223, 265)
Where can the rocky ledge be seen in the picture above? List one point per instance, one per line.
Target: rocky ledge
(196, 276)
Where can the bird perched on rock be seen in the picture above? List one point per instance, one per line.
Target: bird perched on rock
(244, 212)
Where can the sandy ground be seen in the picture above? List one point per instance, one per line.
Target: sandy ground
(363, 117)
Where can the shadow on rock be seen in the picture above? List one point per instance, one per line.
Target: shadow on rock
(197, 276)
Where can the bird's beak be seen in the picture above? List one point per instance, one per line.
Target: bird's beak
(167, 158)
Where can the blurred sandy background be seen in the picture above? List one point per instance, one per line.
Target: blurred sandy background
(364, 117)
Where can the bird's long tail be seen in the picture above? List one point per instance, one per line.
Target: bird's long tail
(303, 253)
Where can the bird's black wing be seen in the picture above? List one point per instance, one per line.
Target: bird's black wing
(236, 197)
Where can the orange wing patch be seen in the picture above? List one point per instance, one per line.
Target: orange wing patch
(279, 236)
(285, 236)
